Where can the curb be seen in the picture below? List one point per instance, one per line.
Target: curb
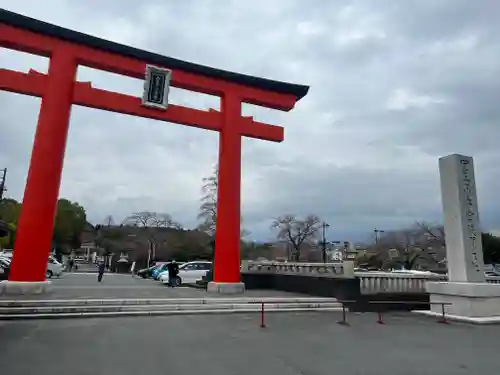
(461, 319)
(156, 301)
(161, 307)
(161, 313)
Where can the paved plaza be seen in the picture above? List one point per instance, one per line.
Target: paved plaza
(292, 343)
(300, 343)
(85, 286)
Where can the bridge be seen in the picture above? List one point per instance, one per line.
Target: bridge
(340, 280)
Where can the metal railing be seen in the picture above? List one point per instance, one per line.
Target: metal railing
(345, 308)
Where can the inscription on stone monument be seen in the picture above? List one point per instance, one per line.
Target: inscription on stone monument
(471, 211)
(464, 251)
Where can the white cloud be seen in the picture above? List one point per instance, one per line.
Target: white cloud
(402, 99)
(389, 95)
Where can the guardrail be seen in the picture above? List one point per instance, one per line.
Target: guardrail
(379, 311)
(306, 303)
(380, 320)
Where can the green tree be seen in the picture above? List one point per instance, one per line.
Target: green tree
(186, 252)
(109, 238)
(253, 251)
(69, 224)
(370, 260)
(10, 210)
(9, 235)
(491, 248)
(9, 216)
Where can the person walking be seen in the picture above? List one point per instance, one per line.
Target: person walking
(132, 268)
(101, 268)
(173, 271)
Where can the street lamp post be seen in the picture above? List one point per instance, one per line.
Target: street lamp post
(2, 183)
(377, 234)
(324, 226)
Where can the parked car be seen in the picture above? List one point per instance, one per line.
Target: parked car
(159, 268)
(145, 272)
(4, 268)
(54, 268)
(189, 273)
(165, 270)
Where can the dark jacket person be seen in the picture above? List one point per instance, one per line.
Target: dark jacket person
(173, 271)
(102, 267)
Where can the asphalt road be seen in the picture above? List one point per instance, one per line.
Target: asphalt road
(305, 343)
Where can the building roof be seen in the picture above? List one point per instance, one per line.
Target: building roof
(44, 28)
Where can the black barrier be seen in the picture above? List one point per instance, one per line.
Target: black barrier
(342, 289)
(392, 302)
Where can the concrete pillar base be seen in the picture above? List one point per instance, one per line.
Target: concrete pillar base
(225, 288)
(21, 288)
(473, 300)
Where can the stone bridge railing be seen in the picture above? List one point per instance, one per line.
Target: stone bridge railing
(387, 282)
(370, 282)
(344, 270)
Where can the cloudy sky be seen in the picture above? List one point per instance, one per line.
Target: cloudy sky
(394, 86)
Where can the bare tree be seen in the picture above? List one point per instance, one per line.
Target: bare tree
(144, 219)
(434, 234)
(165, 221)
(421, 244)
(208, 207)
(108, 221)
(152, 222)
(296, 231)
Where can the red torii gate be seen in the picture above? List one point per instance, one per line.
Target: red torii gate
(59, 90)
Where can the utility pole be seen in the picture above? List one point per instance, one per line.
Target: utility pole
(324, 225)
(2, 183)
(377, 234)
(149, 253)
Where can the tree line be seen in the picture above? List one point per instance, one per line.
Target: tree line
(164, 237)
(69, 223)
(421, 245)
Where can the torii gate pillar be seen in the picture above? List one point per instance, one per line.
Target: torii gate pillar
(59, 90)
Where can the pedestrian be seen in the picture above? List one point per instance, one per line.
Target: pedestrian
(71, 264)
(102, 267)
(132, 269)
(173, 271)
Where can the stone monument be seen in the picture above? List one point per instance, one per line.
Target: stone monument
(469, 297)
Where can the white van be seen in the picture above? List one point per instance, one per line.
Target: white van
(54, 268)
